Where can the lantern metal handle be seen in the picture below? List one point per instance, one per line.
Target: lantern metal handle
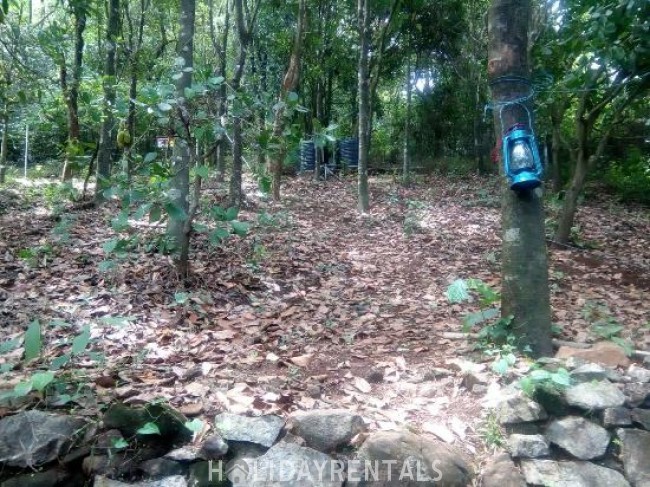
(516, 102)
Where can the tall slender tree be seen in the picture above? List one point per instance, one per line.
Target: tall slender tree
(289, 84)
(525, 290)
(107, 134)
(245, 24)
(363, 18)
(179, 226)
(70, 87)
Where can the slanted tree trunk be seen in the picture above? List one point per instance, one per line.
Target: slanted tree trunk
(107, 135)
(179, 227)
(71, 89)
(406, 169)
(363, 17)
(289, 84)
(244, 31)
(525, 290)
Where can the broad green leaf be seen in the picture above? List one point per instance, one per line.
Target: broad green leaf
(175, 212)
(149, 429)
(219, 235)
(9, 345)
(164, 106)
(142, 211)
(33, 341)
(149, 157)
(195, 426)
(472, 319)
(501, 366)
(561, 377)
(110, 246)
(231, 213)
(457, 292)
(181, 298)
(41, 380)
(22, 389)
(239, 228)
(119, 443)
(59, 362)
(80, 342)
(292, 96)
(6, 367)
(217, 80)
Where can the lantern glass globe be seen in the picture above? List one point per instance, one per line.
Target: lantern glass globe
(521, 156)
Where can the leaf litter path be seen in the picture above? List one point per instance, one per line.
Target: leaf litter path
(318, 307)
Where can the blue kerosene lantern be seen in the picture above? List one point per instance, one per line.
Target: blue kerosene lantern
(522, 164)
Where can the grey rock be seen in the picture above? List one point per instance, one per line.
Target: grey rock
(157, 468)
(549, 473)
(527, 446)
(430, 462)
(287, 464)
(641, 417)
(34, 438)
(520, 409)
(501, 471)
(616, 417)
(637, 394)
(638, 373)
(173, 481)
(214, 447)
(635, 453)
(185, 454)
(595, 395)
(129, 420)
(325, 430)
(262, 430)
(48, 478)
(588, 372)
(471, 379)
(581, 438)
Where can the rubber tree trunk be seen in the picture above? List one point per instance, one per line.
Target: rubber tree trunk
(71, 90)
(406, 168)
(107, 134)
(183, 153)
(4, 143)
(289, 84)
(363, 17)
(244, 28)
(525, 290)
(220, 152)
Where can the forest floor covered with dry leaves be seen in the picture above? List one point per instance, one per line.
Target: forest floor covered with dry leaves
(317, 307)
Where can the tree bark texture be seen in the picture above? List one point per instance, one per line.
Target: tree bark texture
(107, 134)
(71, 90)
(525, 290)
(363, 16)
(183, 152)
(289, 84)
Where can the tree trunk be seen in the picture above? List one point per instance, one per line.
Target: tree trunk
(289, 84)
(525, 291)
(178, 227)
(220, 153)
(363, 17)
(4, 143)
(406, 169)
(244, 28)
(71, 91)
(107, 136)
